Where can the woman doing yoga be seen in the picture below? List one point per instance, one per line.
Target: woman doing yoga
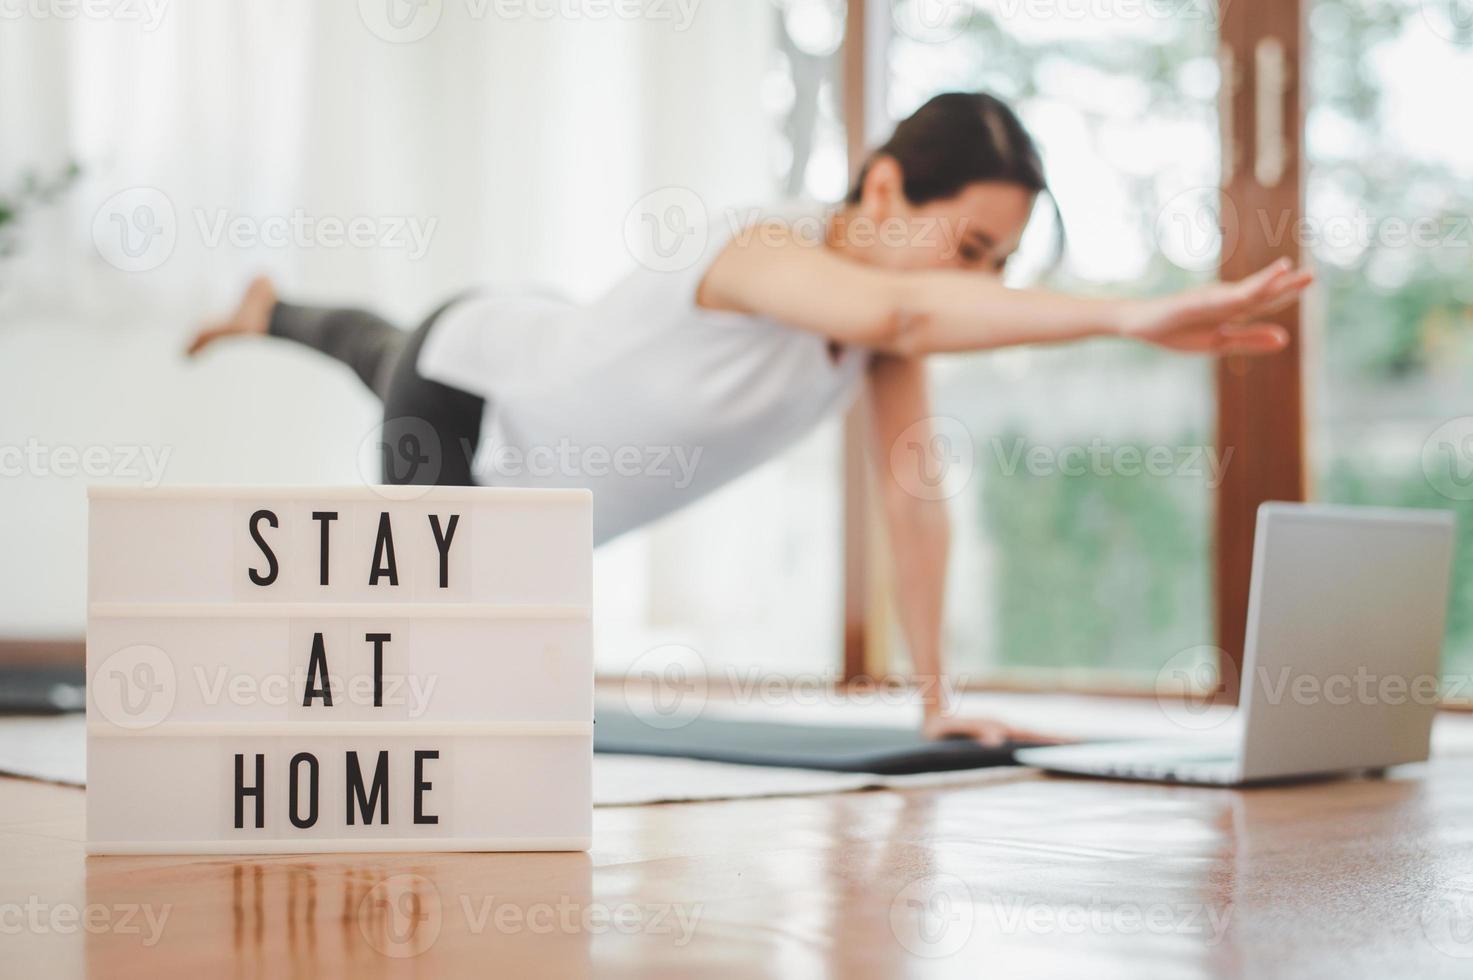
(771, 326)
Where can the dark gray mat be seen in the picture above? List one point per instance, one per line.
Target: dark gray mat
(887, 751)
(42, 690)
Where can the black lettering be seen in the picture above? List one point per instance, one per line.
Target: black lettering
(442, 541)
(311, 818)
(421, 785)
(272, 568)
(378, 799)
(256, 791)
(317, 667)
(378, 640)
(383, 553)
(325, 518)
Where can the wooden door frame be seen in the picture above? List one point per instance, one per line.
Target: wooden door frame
(1260, 401)
(861, 86)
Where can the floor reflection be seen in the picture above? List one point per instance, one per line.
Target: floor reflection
(526, 914)
(1023, 878)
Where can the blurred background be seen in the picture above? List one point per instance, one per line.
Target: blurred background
(154, 156)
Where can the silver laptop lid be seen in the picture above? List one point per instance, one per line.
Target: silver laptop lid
(1344, 637)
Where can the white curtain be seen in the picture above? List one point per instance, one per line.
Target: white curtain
(503, 146)
(517, 141)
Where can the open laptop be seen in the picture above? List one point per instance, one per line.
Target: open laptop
(1344, 641)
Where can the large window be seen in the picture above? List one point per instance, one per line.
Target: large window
(1084, 529)
(1390, 191)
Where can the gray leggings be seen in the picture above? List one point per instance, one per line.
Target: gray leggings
(430, 430)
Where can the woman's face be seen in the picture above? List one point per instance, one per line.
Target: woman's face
(976, 230)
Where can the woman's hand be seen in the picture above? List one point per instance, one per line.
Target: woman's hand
(1220, 318)
(988, 731)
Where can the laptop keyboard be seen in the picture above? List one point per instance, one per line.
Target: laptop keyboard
(1186, 768)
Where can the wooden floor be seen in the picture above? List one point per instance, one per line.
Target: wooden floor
(1031, 877)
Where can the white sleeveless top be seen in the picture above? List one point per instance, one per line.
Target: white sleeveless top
(643, 397)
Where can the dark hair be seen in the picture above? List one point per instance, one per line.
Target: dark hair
(956, 139)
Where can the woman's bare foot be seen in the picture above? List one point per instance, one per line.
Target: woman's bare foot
(251, 317)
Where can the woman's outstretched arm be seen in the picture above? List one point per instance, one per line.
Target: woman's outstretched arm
(916, 312)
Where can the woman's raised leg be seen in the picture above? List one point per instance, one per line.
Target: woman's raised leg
(364, 341)
(430, 431)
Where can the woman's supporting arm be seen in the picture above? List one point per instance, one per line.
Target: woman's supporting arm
(920, 534)
(916, 312)
(919, 529)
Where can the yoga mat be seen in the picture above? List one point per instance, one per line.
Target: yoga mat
(54, 749)
(833, 748)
